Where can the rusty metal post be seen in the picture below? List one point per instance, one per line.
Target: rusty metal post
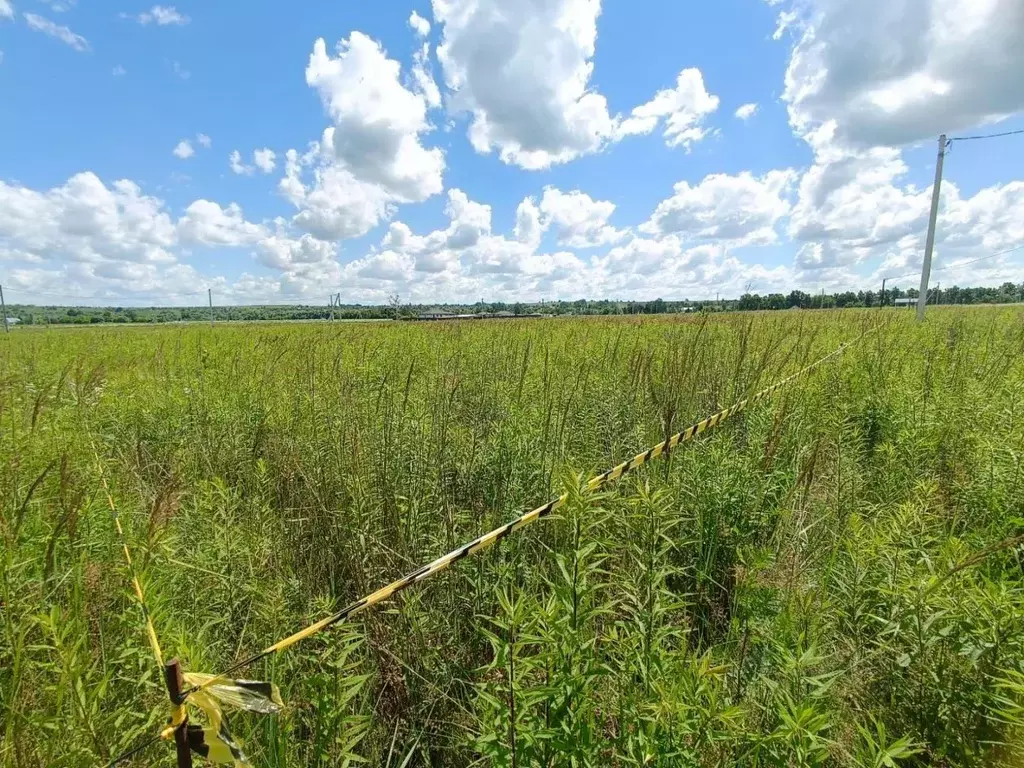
(175, 685)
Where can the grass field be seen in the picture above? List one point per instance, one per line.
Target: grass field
(834, 577)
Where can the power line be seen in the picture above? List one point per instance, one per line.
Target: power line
(958, 264)
(986, 136)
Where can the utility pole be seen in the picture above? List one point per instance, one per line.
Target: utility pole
(881, 300)
(209, 295)
(926, 268)
(3, 308)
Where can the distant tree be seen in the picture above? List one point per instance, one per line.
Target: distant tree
(798, 299)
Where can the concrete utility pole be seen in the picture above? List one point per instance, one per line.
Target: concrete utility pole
(209, 295)
(3, 308)
(926, 268)
(881, 300)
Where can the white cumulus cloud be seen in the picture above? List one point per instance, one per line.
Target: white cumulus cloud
(743, 209)
(85, 221)
(264, 159)
(522, 72)
(419, 25)
(372, 156)
(183, 150)
(162, 16)
(208, 223)
(236, 164)
(578, 220)
(746, 111)
(878, 73)
(378, 123)
(681, 110)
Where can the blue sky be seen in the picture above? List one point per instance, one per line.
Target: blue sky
(555, 149)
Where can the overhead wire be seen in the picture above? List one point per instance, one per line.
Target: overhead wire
(956, 265)
(985, 136)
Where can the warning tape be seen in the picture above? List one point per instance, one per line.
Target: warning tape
(226, 689)
(150, 629)
(487, 539)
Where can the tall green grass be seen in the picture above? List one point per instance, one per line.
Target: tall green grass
(834, 577)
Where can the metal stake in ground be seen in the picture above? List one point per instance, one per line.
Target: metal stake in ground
(926, 268)
(175, 685)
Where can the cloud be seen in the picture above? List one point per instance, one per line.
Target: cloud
(86, 237)
(6, 10)
(337, 205)
(207, 223)
(856, 209)
(528, 227)
(119, 71)
(423, 78)
(58, 31)
(746, 111)
(378, 123)
(372, 156)
(264, 159)
(578, 220)
(522, 72)
(864, 80)
(162, 16)
(419, 25)
(743, 209)
(60, 6)
(204, 141)
(180, 71)
(286, 253)
(464, 256)
(184, 149)
(236, 164)
(667, 267)
(785, 21)
(85, 221)
(878, 73)
(682, 110)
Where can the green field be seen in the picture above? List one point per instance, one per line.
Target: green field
(833, 577)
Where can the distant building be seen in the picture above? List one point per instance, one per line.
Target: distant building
(13, 320)
(503, 315)
(906, 302)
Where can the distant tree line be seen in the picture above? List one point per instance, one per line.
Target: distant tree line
(30, 314)
(1005, 294)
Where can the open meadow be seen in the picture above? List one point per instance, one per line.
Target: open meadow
(834, 576)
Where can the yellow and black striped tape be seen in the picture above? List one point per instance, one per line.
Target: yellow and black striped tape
(136, 584)
(486, 540)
